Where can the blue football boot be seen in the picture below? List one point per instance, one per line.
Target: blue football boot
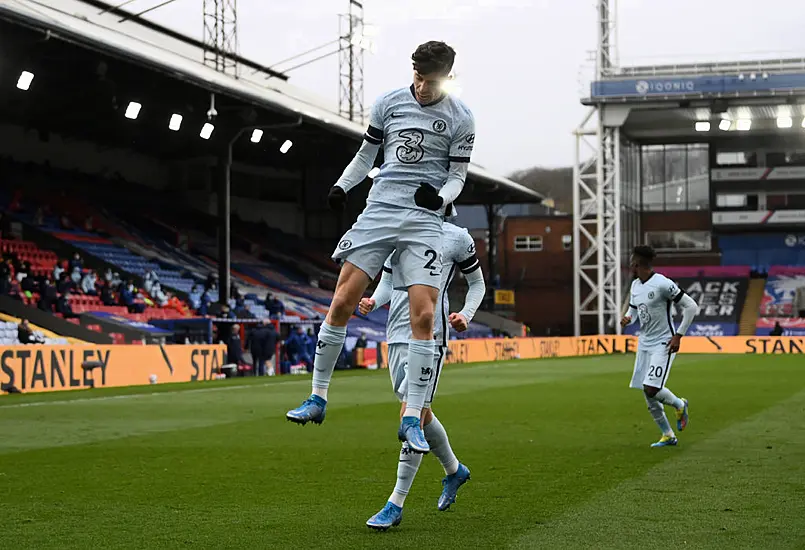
(411, 431)
(682, 416)
(666, 441)
(389, 516)
(312, 409)
(450, 486)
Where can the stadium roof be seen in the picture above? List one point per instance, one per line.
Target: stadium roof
(662, 103)
(83, 22)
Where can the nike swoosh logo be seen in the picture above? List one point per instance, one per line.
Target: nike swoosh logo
(424, 379)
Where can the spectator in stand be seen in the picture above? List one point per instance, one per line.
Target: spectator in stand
(159, 295)
(151, 278)
(88, 283)
(58, 269)
(64, 307)
(76, 262)
(39, 217)
(107, 296)
(76, 276)
(276, 309)
(227, 313)
(108, 275)
(25, 333)
(234, 347)
(15, 290)
(29, 283)
(128, 298)
(64, 284)
(262, 341)
(211, 283)
(245, 312)
(176, 303)
(296, 348)
(311, 342)
(234, 292)
(361, 342)
(116, 280)
(777, 330)
(204, 302)
(48, 296)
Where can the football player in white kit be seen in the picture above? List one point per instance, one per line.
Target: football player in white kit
(427, 138)
(650, 301)
(458, 253)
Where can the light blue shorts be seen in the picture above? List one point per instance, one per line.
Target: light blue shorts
(414, 236)
(398, 370)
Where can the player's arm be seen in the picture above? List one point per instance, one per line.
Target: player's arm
(360, 166)
(459, 157)
(630, 317)
(689, 311)
(471, 268)
(381, 295)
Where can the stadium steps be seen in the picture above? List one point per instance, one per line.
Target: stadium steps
(751, 309)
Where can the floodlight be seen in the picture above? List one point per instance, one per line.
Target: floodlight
(25, 79)
(743, 124)
(374, 172)
(257, 135)
(785, 122)
(286, 146)
(175, 123)
(724, 125)
(452, 87)
(133, 110)
(206, 130)
(702, 126)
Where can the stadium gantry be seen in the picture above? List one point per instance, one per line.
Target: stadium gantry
(649, 141)
(88, 65)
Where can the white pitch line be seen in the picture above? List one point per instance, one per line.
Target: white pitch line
(136, 395)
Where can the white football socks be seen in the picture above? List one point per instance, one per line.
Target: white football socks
(407, 468)
(420, 371)
(667, 397)
(658, 414)
(328, 348)
(440, 445)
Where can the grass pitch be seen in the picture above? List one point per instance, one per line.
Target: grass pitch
(559, 453)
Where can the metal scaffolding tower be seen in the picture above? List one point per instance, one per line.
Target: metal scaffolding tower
(350, 62)
(221, 35)
(597, 284)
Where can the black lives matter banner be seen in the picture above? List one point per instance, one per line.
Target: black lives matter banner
(720, 299)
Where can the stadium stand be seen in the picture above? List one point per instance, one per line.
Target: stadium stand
(761, 252)
(783, 302)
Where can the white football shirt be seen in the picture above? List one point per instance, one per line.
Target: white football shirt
(653, 300)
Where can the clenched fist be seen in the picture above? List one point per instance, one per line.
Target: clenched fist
(458, 322)
(366, 306)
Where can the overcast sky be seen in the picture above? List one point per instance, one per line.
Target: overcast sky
(521, 63)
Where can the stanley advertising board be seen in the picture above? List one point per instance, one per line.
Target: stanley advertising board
(53, 368)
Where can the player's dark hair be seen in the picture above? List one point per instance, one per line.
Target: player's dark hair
(645, 253)
(434, 57)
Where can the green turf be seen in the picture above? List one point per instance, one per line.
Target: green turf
(558, 451)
